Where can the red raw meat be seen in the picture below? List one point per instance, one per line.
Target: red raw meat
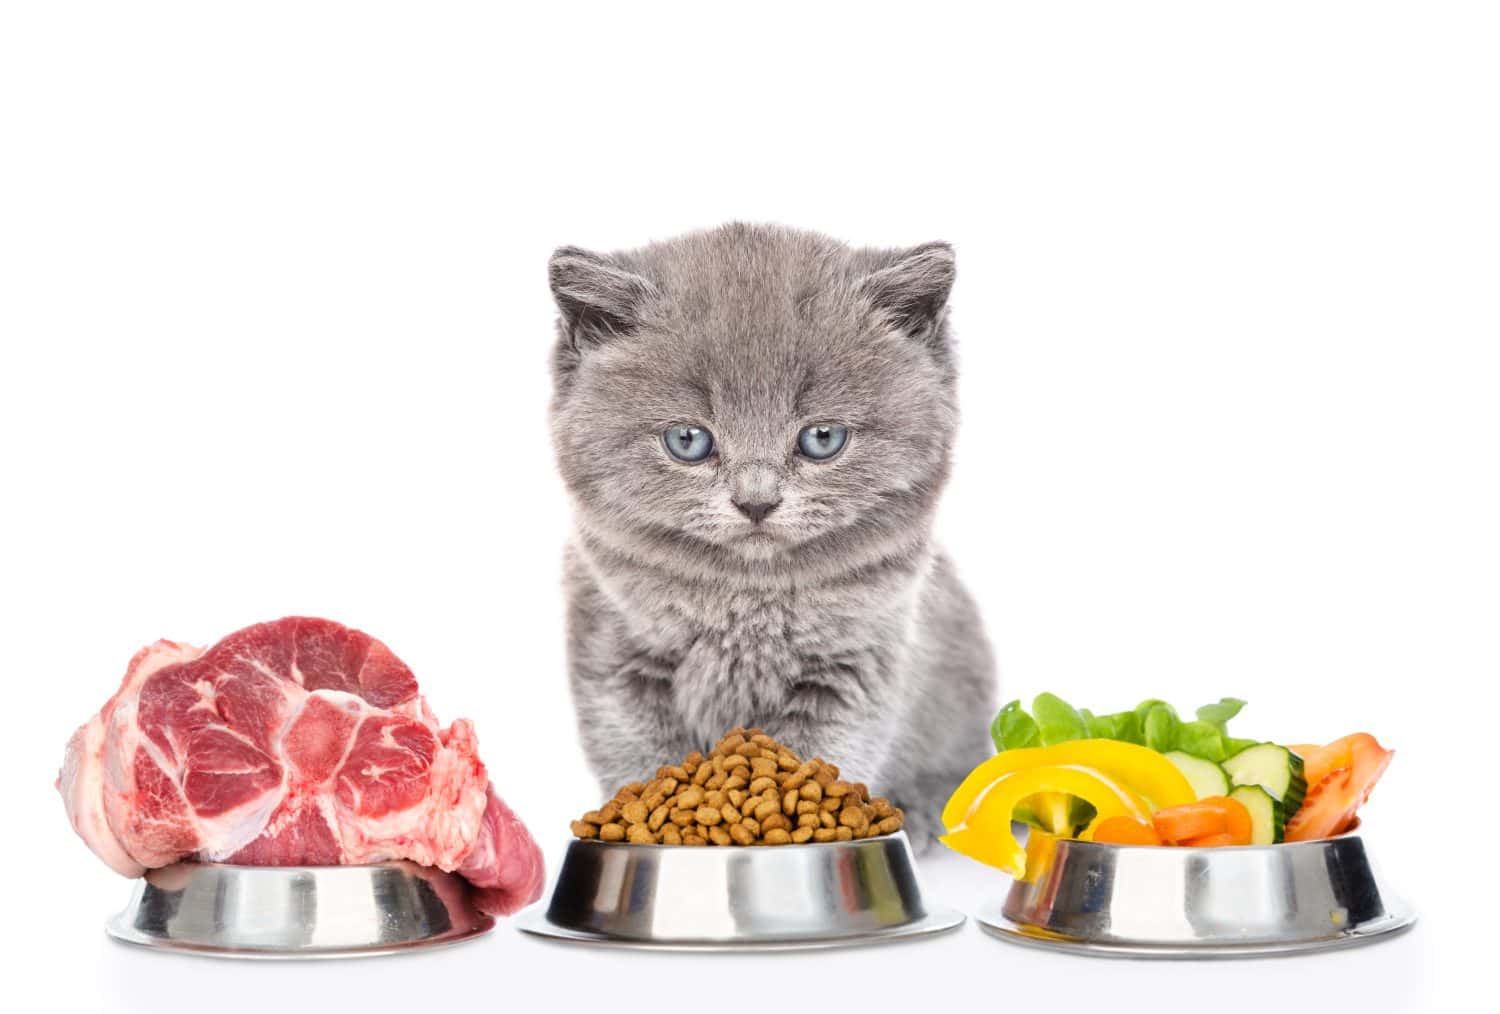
(295, 742)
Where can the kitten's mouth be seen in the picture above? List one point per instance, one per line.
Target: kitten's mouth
(763, 537)
(758, 539)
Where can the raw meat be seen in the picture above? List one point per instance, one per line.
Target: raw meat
(295, 742)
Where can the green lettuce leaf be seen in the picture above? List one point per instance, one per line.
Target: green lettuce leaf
(1059, 721)
(1153, 723)
(1220, 712)
(1233, 745)
(1201, 739)
(1159, 727)
(1014, 729)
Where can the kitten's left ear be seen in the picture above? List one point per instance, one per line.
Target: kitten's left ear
(912, 290)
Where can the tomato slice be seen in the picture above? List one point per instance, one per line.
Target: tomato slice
(1328, 806)
(1331, 803)
(1319, 762)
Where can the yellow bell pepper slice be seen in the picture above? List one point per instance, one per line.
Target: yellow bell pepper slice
(1041, 851)
(1142, 770)
(985, 834)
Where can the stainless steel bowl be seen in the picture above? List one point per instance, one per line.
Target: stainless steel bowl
(298, 911)
(1144, 901)
(780, 897)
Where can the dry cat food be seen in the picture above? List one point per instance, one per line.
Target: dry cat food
(750, 791)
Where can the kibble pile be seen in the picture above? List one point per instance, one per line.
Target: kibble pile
(750, 791)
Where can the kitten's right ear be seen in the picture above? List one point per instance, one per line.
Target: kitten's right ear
(598, 299)
(912, 291)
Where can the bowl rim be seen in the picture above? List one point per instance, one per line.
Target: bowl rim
(402, 865)
(757, 847)
(1352, 833)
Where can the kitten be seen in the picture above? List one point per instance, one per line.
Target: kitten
(754, 424)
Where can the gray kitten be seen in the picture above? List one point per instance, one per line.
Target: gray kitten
(754, 424)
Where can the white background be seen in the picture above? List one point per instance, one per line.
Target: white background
(275, 331)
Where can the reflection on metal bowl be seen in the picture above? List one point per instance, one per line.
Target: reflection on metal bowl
(298, 911)
(1152, 901)
(780, 897)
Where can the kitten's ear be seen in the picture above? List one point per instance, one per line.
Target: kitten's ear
(598, 299)
(912, 290)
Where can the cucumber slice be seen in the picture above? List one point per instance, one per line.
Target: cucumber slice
(1206, 777)
(1275, 768)
(1267, 815)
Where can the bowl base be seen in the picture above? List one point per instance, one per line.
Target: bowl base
(120, 930)
(1397, 918)
(296, 912)
(797, 897)
(935, 922)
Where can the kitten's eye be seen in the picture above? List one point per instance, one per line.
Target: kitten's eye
(688, 443)
(822, 441)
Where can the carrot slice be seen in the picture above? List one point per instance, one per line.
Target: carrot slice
(1237, 822)
(1126, 831)
(1209, 816)
(1209, 841)
(1192, 820)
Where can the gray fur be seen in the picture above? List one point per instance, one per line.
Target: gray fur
(834, 623)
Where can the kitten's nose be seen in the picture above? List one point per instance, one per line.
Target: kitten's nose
(756, 510)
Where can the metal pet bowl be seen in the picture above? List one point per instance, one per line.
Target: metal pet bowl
(777, 897)
(298, 911)
(1153, 901)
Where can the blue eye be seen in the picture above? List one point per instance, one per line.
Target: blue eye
(822, 441)
(688, 443)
